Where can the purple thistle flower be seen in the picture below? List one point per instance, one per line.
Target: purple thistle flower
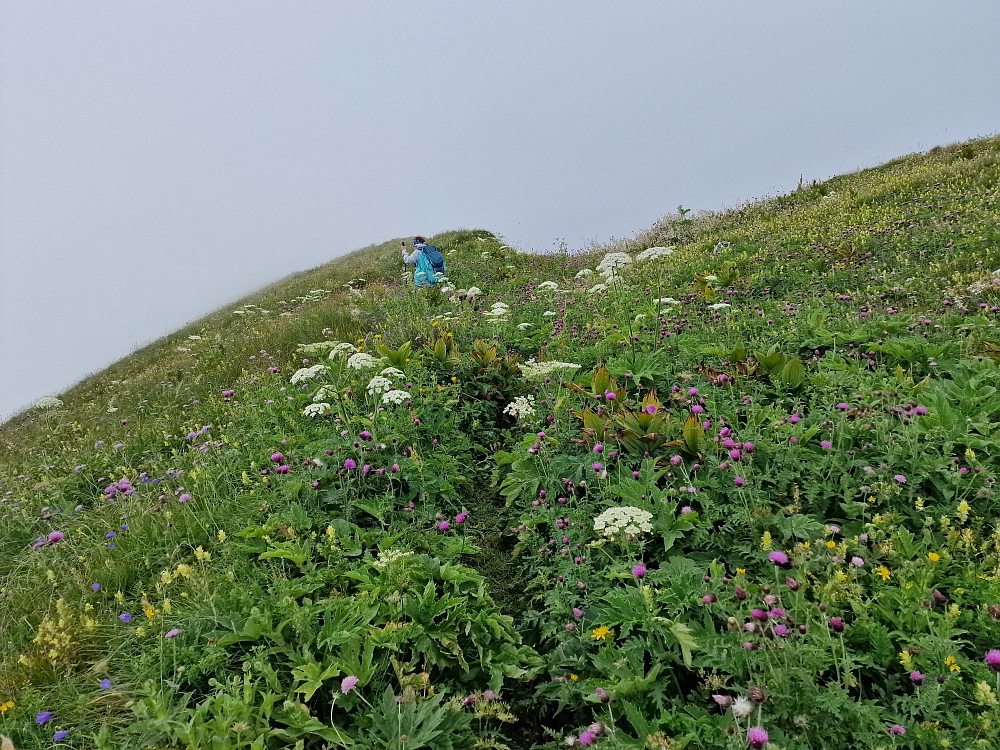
(598, 448)
(897, 729)
(639, 571)
(444, 526)
(739, 481)
(56, 536)
(757, 737)
(349, 464)
(825, 444)
(461, 517)
(778, 557)
(586, 738)
(836, 625)
(348, 684)
(596, 467)
(602, 694)
(992, 659)
(917, 677)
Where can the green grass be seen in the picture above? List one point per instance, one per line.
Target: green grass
(852, 302)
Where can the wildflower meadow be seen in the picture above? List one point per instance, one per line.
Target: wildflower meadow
(729, 483)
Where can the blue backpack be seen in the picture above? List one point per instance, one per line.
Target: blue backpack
(435, 257)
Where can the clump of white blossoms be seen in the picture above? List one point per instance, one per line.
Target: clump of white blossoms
(669, 301)
(584, 272)
(548, 286)
(325, 392)
(498, 310)
(320, 347)
(342, 350)
(524, 326)
(307, 373)
(47, 402)
(361, 361)
(521, 407)
(392, 372)
(395, 397)
(378, 385)
(711, 277)
(314, 410)
(387, 557)
(719, 306)
(533, 370)
(549, 314)
(473, 292)
(611, 262)
(623, 522)
(654, 252)
(597, 289)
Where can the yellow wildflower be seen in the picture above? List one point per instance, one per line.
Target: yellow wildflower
(970, 454)
(905, 659)
(140, 632)
(119, 596)
(740, 571)
(963, 511)
(952, 664)
(831, 544)
(805, 545)
(202, 555)
(841, 576)
(222, 535)
(884, 572)
(918, 504)
(933, 556)
(765, 541)
(574, 677)
(601, 633)
(5, 707)
(149, 611)
(166, 606)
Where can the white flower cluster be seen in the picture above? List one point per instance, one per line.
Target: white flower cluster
(524, 326)
(47, 402)
(378, 385)
(473, 291)
(361, 361)
(325, 392)
(719, 306)
(320, 347)
(342, 350)
(669, 301)
(307, 373)
(392, 372)
(314, 410)
(598, 289)
(654, 253)
(533, 370)
(521, 407)
(584, 272)
(395, 397)
(611, 262)
(387, 557)
(624, 521)
(548, 286)
(498, 310)
(549, 314)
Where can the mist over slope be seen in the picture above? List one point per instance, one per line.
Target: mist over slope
(727, 483)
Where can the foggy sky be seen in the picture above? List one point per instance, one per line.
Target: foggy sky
(160, 159)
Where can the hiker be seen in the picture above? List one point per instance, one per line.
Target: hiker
(427, 262)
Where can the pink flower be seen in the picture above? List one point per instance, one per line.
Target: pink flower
(778, 557)
(897, 729)
(586, 738)
(577, 612)
(444, 526)
(993, 659)
(639, 571)
(739, 481)
(348, 684)
(349, 464)
(172, 633)
(900, 478)
(757, 737)
(598, 448)
(55, 537)
(596, 467)
(461, 517)
(277, 458)
(825, 444)
(395, 467)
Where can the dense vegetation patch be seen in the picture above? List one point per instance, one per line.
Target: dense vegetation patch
(728, 484)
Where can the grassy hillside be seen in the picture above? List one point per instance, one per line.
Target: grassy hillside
(728, 484)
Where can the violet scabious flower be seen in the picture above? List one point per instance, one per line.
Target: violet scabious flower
(172, 633)
(778, 557)
(825, 444)
(900, 478)
(757, 737)
(639, 571)
(687, 509)
(184, 498)
(95, 586)
(992, 659)
(348, 684)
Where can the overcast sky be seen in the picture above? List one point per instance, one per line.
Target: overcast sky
(159, 159)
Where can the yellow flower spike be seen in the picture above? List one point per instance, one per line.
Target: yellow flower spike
(601, 633)
(905, 659)
(222, 535)
(765, 541)
(140, 632)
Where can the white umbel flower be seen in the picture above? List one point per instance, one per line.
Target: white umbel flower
(361, 361)
(521, 407)
(548, 286)
(388, 556)
(307, 373)
(669, 301)
(474, 291)
(378, 385)
(47, 402)
(525, 326)
(392, 372)
(612, 262)
(654, 253)
(598, 289)
(584, 272)
(624, 521)
(314, 410)
(533, 370)
(395, 397)
(719, 306)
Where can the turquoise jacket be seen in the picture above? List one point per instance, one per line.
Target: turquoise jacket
(423, 274)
